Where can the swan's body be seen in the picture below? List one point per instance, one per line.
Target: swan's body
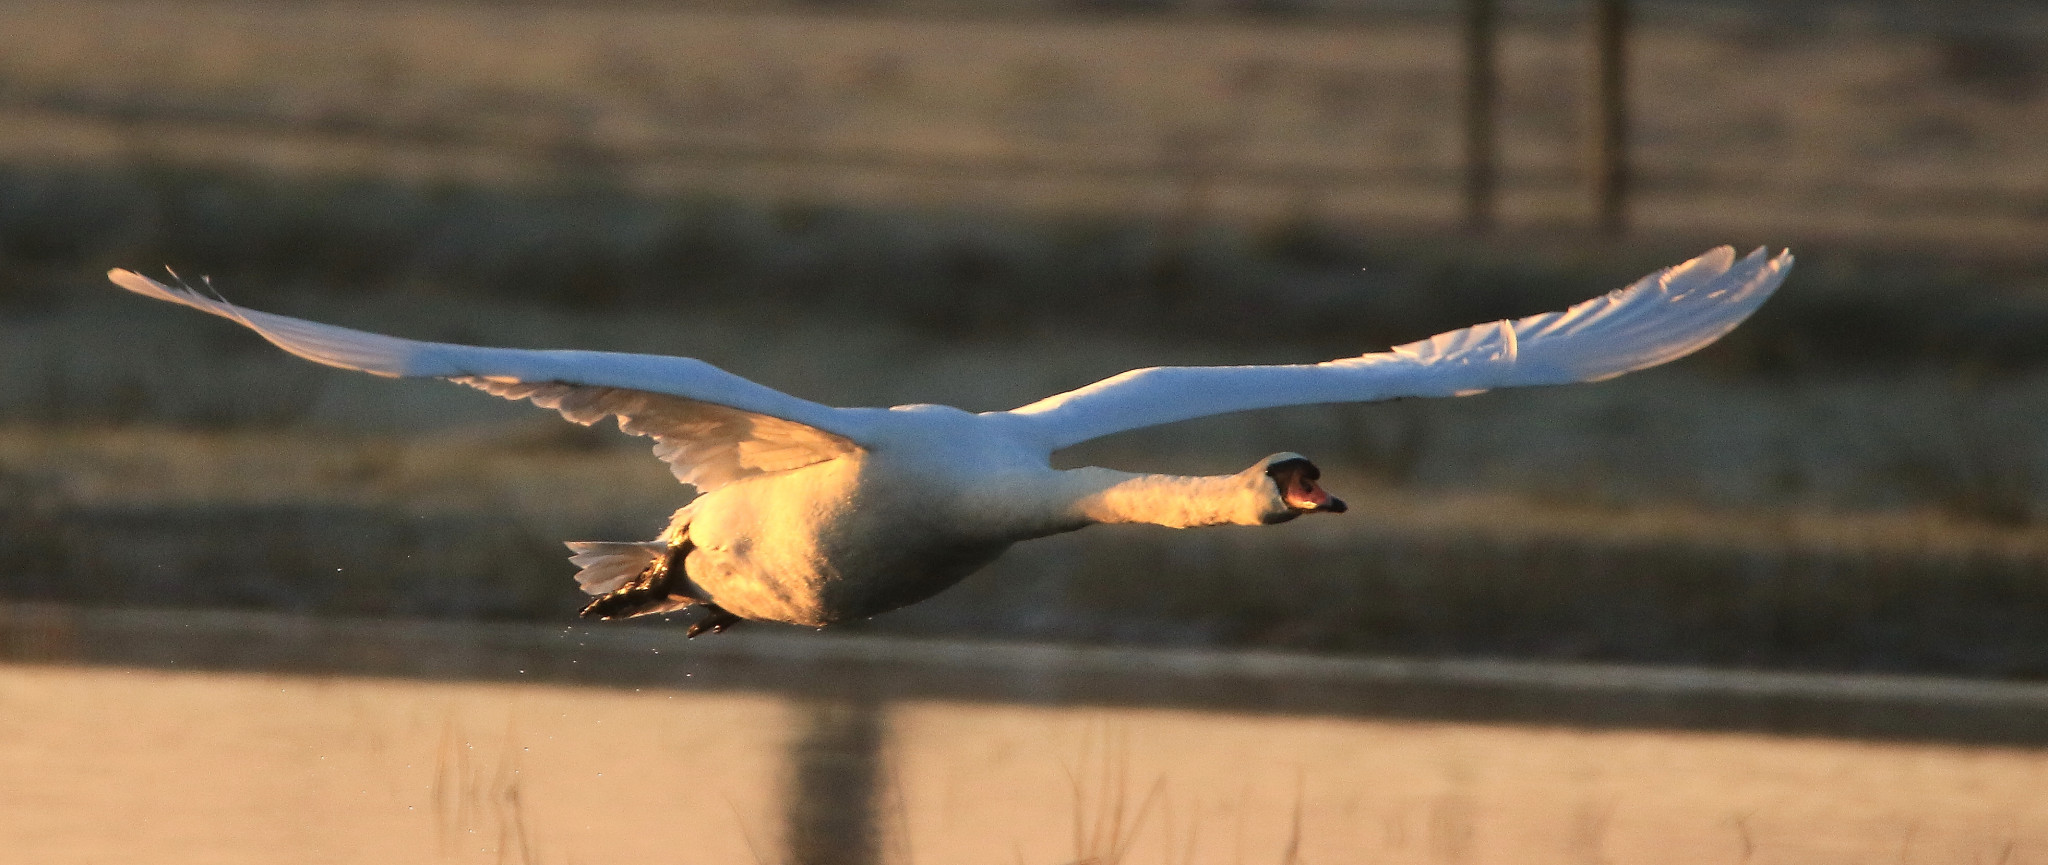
(813, 515)
(914, 512)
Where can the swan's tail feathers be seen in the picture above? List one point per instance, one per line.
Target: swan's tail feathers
(607, 566)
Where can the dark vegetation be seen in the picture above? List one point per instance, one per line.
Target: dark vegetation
(1561, 595)
(588, 246)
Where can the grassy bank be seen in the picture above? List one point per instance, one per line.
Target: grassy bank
(1753, 122)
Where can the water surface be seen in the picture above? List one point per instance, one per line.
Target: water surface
(176, 737)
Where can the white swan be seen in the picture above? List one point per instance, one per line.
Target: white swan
(812, 515)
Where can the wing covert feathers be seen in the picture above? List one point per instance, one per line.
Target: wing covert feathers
(706, 445)
(711, 426)
(1661, 317)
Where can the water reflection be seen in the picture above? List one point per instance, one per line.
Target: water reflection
(246, 768)
(830, 804)
(840, 766)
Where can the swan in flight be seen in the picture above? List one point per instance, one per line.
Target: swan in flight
(811, 515)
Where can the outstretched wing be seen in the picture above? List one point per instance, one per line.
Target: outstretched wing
(1662, 317)
(711, 426)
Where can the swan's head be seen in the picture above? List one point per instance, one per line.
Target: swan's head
(1295, 491)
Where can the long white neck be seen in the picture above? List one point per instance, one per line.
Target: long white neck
(1099, 495)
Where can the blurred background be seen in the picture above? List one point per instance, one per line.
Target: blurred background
(872, 202)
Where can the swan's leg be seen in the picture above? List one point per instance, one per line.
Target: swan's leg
(715, 620)
(647, 593)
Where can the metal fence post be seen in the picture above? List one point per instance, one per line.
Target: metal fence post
(1481, 89)
(1607, 158)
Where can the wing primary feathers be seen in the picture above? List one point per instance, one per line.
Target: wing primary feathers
(1659, 318)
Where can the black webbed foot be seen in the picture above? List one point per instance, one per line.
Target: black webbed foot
(715, 621)
(622, 604)
(647, 593)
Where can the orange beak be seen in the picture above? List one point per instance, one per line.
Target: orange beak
(1306, 496)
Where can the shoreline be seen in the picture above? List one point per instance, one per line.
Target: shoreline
(870, 668)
